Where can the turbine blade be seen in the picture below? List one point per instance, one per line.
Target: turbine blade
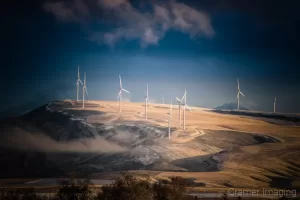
(183, 97)
(178, 99)
(80, 82)
(188, 107)
(84, 80)
(125, 91)
(120, 81)
(241, 93)
(86, 91)
(78, 73)
(119, 93)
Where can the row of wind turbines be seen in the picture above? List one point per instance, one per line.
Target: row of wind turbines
(182, 103)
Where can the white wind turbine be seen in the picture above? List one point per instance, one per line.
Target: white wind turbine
(77, 84)
(84, 90)
(120, 94)
(238, 95)
(274, 104)
(170, 120)
(184, 108)
(146, 104)
(180, 104)
(179, 107)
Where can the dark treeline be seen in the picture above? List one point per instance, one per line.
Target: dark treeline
(126, 187)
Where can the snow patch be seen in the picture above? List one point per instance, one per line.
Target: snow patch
(144, 155)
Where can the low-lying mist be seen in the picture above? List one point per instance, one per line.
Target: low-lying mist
(20, 139)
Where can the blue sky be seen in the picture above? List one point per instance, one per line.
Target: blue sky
(171, 45)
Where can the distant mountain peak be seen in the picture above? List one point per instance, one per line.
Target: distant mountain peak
(230, 106)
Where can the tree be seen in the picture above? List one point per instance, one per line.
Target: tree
(175, 189)
(127, 187)
(224, 197)
(70, 190)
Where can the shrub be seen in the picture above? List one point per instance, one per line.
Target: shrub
(69, 190)
(174, 189)
(128, 187)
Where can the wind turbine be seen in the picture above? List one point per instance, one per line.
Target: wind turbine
(170, 120)
(77, 84)
(120, 94)
(146, 104)
(84, 90)
(179, 107)
(238, 95)
(180, 104)
(274, 111)
(184, 108)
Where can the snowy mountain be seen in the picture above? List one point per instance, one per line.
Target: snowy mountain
(230, 106)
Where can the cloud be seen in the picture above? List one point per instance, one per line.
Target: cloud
(111, 3)
(127, 22)
(23, 140)
(190, 20)
(75, 11)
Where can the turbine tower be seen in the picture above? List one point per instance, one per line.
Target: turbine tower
(84, 90)
(179, 109)
(146, 104)
(180, 104)
(78, 82)
(238, 94)
(170, 120)
(274, 109)
(184, 108)
(120, 94)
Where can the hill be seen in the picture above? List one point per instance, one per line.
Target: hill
(219, 150)
(230, 106)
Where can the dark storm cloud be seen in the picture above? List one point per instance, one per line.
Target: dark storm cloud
(131, 22)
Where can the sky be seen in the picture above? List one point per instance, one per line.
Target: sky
(203, 46)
